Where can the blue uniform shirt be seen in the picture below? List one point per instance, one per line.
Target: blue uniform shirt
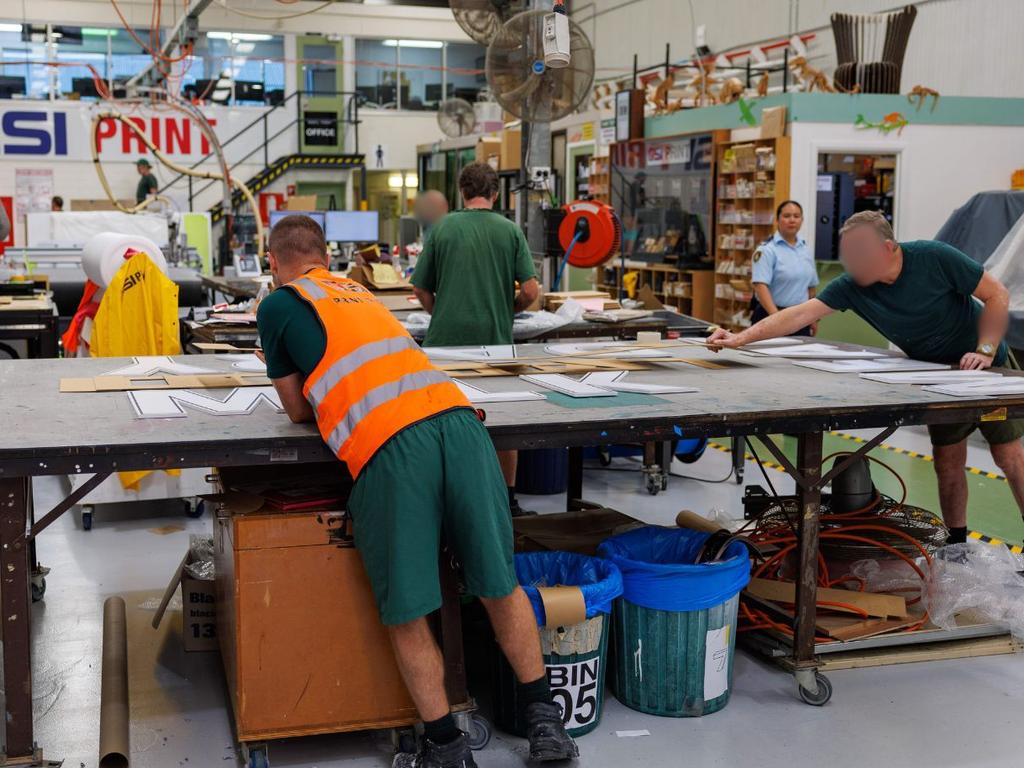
(787, 270)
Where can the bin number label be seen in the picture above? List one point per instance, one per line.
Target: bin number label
(716, 663)
(574, 687)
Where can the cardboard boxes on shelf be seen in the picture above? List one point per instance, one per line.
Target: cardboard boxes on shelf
(511, 141)
(488, 150)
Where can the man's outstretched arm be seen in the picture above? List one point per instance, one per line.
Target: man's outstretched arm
(289, 389)
(782, 323)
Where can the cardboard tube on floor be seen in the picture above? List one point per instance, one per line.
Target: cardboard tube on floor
(688, 519)
(114, 750)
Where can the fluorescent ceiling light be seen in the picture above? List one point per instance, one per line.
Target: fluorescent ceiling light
(395, 181)
(412, 180)
(245, 47)
(236, 36)
(96, 32)
(10, 27)
(414, 43)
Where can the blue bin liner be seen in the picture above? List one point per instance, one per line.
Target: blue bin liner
(659, 569)
(599, 580)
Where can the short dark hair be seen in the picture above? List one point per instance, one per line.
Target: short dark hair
(297, 237)
(58, 201)
(478, 180)
(784, 203)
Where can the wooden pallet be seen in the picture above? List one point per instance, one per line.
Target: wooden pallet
(908, 654)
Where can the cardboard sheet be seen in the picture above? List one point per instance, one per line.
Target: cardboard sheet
(616, 380)
(1005, 387)
(876, 365)
(946, 376)
(567, 386)
(479, 396)
(813, 351)
(182, 381)
(881, 606)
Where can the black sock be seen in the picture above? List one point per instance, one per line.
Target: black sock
(537, 692)
(511, 495)
(957, 535)
(442, 731)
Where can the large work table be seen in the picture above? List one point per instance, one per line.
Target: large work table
(49, 433)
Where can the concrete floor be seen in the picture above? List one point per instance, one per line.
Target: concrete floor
(884, 717)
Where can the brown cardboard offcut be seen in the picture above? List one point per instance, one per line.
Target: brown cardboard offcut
(882, 606)
(578, 532)
(300, 203)
(511, 141)
(168, 381)
(563, 606)
(364, 275)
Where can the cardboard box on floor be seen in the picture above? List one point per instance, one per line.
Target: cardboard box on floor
(579, 532)
(198, 609)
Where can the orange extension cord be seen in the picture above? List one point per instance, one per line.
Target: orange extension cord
(856, 525)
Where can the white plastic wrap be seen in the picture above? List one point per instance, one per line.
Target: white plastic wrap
(980, 578)
(200, 561)
(528, 325)
(103, 255)
(1006, 264)
(889, 576)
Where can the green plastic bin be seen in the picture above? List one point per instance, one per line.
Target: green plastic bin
(674, 628)
(673, 664)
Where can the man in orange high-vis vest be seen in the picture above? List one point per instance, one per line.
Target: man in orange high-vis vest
(421, 461)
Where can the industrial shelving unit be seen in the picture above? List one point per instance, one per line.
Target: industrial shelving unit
(751, 179)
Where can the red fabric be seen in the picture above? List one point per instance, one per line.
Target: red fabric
(86, 308)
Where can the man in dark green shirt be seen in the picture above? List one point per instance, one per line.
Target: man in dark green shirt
(935, 304)
(466, 279)
(147, 182)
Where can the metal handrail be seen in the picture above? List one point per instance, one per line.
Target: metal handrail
(350, 116)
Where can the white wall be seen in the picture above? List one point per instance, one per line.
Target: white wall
(938, 167)
(958, 47)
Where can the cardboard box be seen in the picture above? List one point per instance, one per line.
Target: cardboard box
(300, 203)
(488, 150)
(198, 609)
(372, 276)
(773, 122)
(579, 532)
(511, 149)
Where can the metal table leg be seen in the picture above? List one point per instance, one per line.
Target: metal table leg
(15, 605)
(739, 457)
(574, 492)
(808, 464)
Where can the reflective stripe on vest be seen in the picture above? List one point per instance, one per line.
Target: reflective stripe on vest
(332, 376)
(309, 286)
(377, 397)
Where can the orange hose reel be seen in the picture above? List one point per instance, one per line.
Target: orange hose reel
(598, 230)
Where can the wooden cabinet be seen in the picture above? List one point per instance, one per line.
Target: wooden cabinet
(751, 179)
(691, 291)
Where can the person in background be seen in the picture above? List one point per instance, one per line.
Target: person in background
(466, 275)
(422, 463)
(57, 204)
(783, 270)
(430, 207)
(5, 224)
(148, 184)
(936, 304)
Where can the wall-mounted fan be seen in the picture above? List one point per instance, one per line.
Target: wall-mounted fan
(456, 117)
(481, 19)
(520, 79)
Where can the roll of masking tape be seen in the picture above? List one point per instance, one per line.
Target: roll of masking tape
(104, 254)
(648, 337)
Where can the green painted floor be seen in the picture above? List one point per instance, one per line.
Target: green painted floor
(991, 509)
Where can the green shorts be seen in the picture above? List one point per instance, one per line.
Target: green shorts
(994, 432)
(441, 474)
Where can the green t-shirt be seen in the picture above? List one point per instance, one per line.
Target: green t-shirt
(929, 311)
(147, 184)
(293, 339)
(471, 262)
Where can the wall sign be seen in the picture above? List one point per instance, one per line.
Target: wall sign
(320, 128)
(622, 116)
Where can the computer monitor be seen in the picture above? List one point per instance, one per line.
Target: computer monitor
(317, 216)
(351, 226)
(10, 86)
(249, 90)
(85, 87)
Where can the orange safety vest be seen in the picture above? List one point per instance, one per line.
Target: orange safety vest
(373, 380)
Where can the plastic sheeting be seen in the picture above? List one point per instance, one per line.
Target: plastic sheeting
(200, 558)
(980, 578)
(659, 569)
(1007, 264)
(72, 229)
(598, 580)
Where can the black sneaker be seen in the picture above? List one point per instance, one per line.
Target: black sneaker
(546, 732)
(518, 511)
(431, 755)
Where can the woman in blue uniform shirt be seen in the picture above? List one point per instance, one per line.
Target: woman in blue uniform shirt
(783, 271)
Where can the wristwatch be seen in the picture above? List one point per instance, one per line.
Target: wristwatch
(988, 350)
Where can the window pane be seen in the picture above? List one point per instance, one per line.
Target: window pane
(320, 75)
(376, 74)
(420, 70)
(466, 70)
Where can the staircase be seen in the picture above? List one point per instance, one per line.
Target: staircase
(259, 131)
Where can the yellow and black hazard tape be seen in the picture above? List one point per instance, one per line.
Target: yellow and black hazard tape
(977, 535)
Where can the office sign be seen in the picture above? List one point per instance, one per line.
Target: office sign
(320, 129)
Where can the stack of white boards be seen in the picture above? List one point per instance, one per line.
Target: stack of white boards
(955, 383)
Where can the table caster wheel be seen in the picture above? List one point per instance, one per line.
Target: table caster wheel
(739, 477)
(479, 735)
(87, 518)
(653, 485)
(194, 508)
(38, 589)
(255, 756)
(823, 694)
(604, 455)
